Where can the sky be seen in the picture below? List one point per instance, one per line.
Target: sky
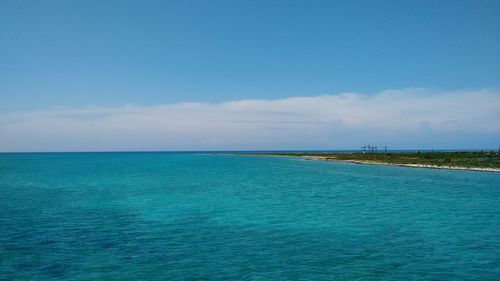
(249, 75)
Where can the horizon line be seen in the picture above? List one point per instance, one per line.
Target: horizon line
(261, 150)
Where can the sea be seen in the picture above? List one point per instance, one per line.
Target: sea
(202, 216)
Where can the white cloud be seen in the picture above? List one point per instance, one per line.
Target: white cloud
(398, 118)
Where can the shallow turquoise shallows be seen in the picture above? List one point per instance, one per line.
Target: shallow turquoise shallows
(175, 216)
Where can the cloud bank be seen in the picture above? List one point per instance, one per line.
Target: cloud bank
(400, 119)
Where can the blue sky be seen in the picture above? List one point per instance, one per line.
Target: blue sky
(115, 54)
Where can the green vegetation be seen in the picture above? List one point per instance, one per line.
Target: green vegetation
(466, 159)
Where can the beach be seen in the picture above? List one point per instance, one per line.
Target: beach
(461, 160)
(368, 162)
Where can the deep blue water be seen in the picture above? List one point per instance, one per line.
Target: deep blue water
(167, 216)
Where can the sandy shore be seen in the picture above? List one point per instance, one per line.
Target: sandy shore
(326, 158)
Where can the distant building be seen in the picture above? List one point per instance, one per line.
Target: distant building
(369, 149)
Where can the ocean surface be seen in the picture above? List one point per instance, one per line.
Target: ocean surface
(182, 216)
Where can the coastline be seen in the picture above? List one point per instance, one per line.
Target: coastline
(368, 162)
(371, 162)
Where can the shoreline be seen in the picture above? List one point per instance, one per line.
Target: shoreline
(371, 162)
(368, 162)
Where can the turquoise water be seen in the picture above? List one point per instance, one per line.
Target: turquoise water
(166, 216)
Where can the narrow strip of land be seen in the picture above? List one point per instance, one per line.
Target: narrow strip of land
(467, 160)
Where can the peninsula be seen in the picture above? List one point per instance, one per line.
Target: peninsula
(488, 161)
